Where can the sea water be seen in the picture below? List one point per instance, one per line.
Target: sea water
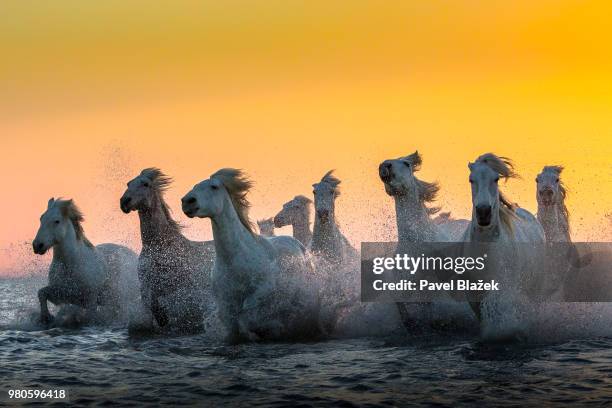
(569, 362)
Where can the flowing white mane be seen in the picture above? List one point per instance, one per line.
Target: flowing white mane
(160, 183)
(69, 210)
(237, 185)
(428, 191)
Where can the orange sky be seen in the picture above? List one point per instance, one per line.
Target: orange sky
(93, 92)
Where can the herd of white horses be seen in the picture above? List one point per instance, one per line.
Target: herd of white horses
(260, 286)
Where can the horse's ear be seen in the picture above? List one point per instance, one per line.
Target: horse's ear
(50, 203)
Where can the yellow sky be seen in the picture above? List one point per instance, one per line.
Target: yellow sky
(90, 93)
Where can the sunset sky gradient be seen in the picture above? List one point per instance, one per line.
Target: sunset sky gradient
(92, 92)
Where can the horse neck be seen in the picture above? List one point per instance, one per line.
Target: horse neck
(413, 222)
(70, 249)
(325, 229)
(231, 237)
(301, 229)
(155, 227)
(554, 223)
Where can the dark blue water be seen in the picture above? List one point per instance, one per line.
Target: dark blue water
(104, 366)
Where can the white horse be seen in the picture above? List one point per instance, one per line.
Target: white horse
(297, 214)
(264, 286)
(414, 222)
(552, 212)
(266, 227)
(174, 271)
(496, 220)
(582, 268)
(81, 274)
(329, 243)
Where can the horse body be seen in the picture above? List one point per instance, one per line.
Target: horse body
(174, 271)
(80, 273)
(297, 214)
(263, 285)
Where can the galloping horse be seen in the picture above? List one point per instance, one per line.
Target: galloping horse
(80, 273)
(174, 271)
(264, 286)
(495, 219)
(329, 243)
(414, 222)
(552, 212)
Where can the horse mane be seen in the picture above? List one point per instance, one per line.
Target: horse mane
(557, 170)
(160, 183)
(414, 159)
(69, 210)
(330, 178)
(428, 191)
(237, 185)
(505, 168)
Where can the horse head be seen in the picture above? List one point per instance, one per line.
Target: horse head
(293, 212)
(550, 189)
(325, 193)
(398, 174)
(266, 227)
(225, 189)
(487, 200)
(62, 218)
(144, 190)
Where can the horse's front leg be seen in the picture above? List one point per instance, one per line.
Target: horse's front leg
(158, 310)
(48, 294)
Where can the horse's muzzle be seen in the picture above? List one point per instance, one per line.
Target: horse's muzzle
(483, 215)
(385, 172)
(278, 222)
(124, 203)
(39, 248)
(189, 205)
(546, 196)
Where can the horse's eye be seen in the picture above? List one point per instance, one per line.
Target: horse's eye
(57, 221)
(407, 164)
(557, 180)
(214, 187)
(146, 184)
